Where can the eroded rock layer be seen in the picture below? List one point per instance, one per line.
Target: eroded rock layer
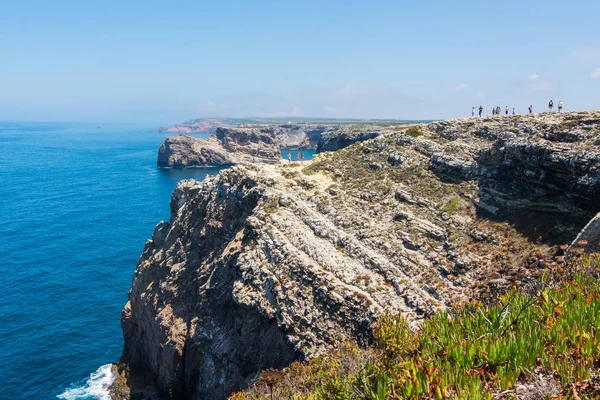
(227, 146)
(266, 264)
(259, 143)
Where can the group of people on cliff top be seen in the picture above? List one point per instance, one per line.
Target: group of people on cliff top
(498, 111)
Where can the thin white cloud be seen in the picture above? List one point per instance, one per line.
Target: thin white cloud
(595, 74)
(330, 110)
(212, 107)
(585, 54)
(543, 87)
(356, 100)
(351, 88)
(462, 86)
(296, 111)
(536, 83)
(481, 95)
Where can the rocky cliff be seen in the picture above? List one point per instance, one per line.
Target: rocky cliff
(257, 143)
(197, 126)
(340, 138)
(300, 136)
(266, 264)
(227, 146)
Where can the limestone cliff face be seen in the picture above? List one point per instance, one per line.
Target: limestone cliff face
(300, 136)
(246, 276)
(266, 264)
(229, 146)
(341, 138)
(198, 126)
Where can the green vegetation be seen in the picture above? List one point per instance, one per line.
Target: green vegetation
(415, 131)
(351, 166)
(568, 125)
(270, 205)
(473, 354)
(451, 207)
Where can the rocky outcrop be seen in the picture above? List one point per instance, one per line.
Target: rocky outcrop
(266, 264)
(295, 137)
(227, 146)
(197, 126)
(257, 143)
(338, 139)
(546, 162)
(208, 309)
(590, 234)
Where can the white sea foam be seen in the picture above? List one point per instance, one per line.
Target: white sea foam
(95, 388)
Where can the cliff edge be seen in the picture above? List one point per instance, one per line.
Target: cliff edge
(266, 264)
(227, 146)
(258, 143)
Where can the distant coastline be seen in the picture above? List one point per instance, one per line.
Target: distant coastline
(210, 125)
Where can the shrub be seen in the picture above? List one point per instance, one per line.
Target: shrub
(451, 206)
(415, 131)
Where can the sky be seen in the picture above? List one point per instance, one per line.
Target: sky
(166, 62)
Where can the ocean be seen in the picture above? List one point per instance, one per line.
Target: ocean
(77, 204)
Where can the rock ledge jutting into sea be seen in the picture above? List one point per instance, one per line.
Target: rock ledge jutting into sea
(258, 143)
(266, 264)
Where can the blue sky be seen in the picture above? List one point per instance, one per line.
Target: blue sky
(165, 62)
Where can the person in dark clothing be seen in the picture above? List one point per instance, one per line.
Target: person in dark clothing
(550, 105)
(531, 109)
(480, 111)
(506, 111)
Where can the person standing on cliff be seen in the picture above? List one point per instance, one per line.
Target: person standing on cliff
(506, 111)
(531, 109)
(560, 106)
(480, 110)
(514, 112)
(473, 111)
(550, 105)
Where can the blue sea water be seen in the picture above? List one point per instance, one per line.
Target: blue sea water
(77, 204)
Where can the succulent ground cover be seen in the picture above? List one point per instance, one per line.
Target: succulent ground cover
(541, 341)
